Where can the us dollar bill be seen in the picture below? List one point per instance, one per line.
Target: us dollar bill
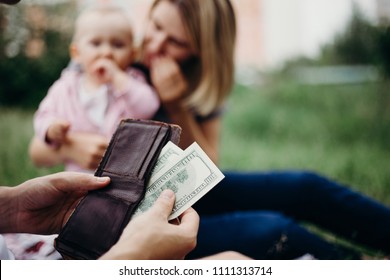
(168, 154)
(190, 175)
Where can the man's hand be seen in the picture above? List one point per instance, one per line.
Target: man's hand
(151, 236)
(43, 205)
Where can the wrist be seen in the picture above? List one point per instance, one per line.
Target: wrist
(8, 209)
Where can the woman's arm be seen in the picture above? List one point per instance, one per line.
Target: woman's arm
(206, 134)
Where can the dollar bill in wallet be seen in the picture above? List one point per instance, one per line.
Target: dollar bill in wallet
(189, 173)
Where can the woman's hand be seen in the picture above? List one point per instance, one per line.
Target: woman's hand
(168, 80)
(85, 149)
(171, 86)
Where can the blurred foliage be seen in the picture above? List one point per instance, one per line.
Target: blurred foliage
(357, 44)
(360, 43)
(25, 77)
(26, 80)
(384, 50)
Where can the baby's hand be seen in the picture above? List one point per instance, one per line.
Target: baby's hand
(56, 133)
(108, 72)
(105, 70)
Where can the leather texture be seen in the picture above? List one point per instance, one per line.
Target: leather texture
(100, 217)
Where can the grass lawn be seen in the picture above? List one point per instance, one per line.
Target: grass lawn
(342, 132)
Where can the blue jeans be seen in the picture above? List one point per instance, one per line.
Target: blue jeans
(259, 215)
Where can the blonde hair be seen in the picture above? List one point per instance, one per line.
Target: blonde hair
(211, 26)
(101, 10)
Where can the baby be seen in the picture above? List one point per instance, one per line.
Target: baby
(99, 89)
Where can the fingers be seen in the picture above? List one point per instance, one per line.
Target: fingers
(74, 181)
(164, 203)
(88, 182)
(105, 69)
(165, 67)
(65, 127)
(168, 79)
(190, 220)
(86, 149)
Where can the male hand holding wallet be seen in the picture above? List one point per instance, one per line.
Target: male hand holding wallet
(99, 219)
(101, 216)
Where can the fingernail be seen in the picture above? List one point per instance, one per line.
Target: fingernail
(102, 179)
(168, 194)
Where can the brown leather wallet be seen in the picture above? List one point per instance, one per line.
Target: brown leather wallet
(100, 217)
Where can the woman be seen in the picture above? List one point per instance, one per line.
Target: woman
(188, 48)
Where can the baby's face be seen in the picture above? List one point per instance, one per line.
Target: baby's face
(106, 36)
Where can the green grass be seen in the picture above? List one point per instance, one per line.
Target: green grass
(342, 132)
(16, 131)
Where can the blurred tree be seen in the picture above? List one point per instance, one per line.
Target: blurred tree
(384, 50)
(364, 43)
(383, 63)
(356, 44)
(33, 51)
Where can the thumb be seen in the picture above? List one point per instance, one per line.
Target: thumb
(67, 126)
(64, 125)
(164, 204)
(75, 182)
